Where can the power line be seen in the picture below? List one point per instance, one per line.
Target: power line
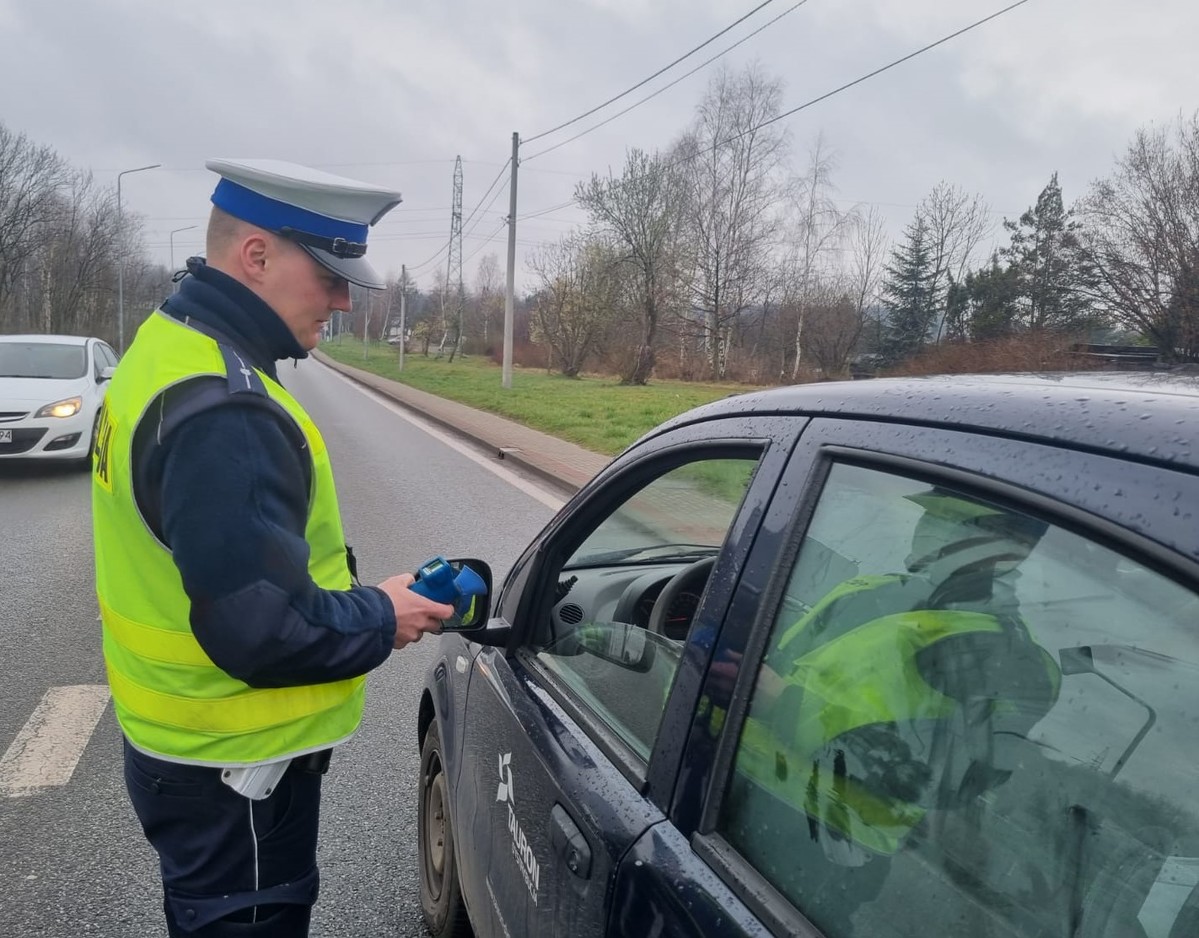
(432, 257)
(665, 68)
(666, 87)
(858, 81)
(547, 211)
(486, 191)
(491, 237)
(436, 255)
(794, 110)
(498, 192)
(540, 169)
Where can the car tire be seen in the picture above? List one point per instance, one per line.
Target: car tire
(85, 464)
(440, 894)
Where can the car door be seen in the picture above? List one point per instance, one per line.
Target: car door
(954, 694)
(572, 731)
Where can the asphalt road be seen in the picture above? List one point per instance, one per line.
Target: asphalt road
(72, 859)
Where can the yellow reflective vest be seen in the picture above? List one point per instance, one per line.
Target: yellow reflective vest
(865, 675)
(170, 699)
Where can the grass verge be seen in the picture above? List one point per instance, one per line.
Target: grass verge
(594, 412)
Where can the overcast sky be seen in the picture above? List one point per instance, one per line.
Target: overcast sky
(391, 92)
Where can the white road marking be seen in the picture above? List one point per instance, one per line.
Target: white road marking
(46, 751)
(524, 485)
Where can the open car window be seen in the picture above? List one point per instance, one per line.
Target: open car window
(627, 594)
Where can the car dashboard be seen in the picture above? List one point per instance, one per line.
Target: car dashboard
(623, 593)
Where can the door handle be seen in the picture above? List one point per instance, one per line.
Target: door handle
(569, 843)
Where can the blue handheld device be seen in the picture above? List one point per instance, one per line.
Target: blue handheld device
(437, 580)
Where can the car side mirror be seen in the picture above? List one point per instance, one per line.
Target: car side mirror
(106, 373)
(472, 606)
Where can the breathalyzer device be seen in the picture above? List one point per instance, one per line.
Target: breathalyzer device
(437, 580)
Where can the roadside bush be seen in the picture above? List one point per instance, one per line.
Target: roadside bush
(1022, 353)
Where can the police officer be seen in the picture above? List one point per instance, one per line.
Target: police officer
(235, 638)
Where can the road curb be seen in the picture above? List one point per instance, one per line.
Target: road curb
(504, 449)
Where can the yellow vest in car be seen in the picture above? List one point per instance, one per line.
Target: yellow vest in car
(170, 699)
(866, 675)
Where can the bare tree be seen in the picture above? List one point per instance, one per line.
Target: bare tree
(75, 260)
(30, 179)
(640, 210)
(867, 256)
(818, 229)
(577, 300)
(1141, 238)
(956, 224)
(866, 259)
(435, 306)
(835, 326)
(729, 163)
(489, 297)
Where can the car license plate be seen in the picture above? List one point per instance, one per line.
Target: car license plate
(5, 436)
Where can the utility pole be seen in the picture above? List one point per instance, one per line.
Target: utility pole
(453, 273)
(366, 325)
(509, 295)
(403, 311)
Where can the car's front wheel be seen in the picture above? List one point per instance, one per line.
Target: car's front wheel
(440, 895)
(85, 464)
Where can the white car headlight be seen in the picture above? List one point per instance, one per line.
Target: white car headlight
(67, 408)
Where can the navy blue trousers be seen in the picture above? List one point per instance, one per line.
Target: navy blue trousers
(230, 866)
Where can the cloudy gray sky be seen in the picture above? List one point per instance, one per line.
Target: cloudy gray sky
(391, 92)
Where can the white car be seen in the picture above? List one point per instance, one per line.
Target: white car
(51, 388)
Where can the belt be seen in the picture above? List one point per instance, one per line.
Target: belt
(314, 763)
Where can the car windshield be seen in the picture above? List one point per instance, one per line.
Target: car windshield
(42, 360)
(683, 515)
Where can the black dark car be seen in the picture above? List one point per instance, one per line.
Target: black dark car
(886, 658)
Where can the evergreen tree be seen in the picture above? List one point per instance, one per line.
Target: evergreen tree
(986, 306)
(1047, 263)
(908, 294)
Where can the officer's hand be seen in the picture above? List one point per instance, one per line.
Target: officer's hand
(415, 614)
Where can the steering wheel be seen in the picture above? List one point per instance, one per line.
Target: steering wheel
(693, 576)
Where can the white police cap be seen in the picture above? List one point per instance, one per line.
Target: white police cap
(327, 215)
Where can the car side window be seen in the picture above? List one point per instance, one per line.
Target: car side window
(971, 721)
(102, 358)
(626, 594)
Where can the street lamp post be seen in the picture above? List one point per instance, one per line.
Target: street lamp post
(121, 258)
(172, 239)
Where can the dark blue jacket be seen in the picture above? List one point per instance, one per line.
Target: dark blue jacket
(227, 490)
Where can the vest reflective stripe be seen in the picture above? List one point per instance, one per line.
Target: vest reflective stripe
(167, 645)
(211, 716)
(169, 697)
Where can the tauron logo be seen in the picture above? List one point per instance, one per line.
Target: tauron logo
(526, 860)
(505, 790)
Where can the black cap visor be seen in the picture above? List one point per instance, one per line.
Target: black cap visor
(357, 270)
